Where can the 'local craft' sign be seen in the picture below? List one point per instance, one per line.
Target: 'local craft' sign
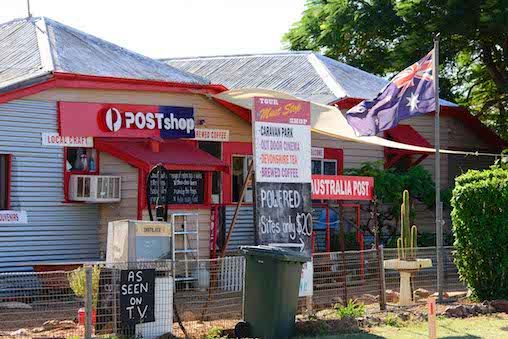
(282, 156)
(137, 296)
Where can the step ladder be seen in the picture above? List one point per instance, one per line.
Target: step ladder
(185, 245)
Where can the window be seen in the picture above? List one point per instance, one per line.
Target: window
(240, 167)
(213, 148)
(4, 181)
(80, 159)
(326, 167)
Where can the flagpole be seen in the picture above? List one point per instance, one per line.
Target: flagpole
(437, 141)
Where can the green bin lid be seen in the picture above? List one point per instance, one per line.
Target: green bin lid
(274, 252)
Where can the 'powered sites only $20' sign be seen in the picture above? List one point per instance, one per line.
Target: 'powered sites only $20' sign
(282, 155)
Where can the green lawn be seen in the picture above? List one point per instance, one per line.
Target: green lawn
(477, 327)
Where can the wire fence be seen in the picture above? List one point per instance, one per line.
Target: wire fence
(186, 297)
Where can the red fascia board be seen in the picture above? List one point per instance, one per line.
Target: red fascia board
(71, 80)
(457, 112)
(26, 91)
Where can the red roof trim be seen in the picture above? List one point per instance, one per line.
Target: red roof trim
(457, 112)
(99, 82)
(69, 80)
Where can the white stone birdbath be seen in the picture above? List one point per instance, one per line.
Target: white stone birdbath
(406, 268)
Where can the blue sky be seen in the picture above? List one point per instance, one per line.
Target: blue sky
(172, 28)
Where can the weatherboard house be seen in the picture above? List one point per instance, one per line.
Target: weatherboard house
(82, 122)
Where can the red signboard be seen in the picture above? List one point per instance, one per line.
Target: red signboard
(84, 119)
(340, 187)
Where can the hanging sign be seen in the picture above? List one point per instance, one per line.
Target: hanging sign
(340, 187)
(282, 154)
(55, 139)
(13, 217)
(122, 120)
(205, 134)
(137, 296)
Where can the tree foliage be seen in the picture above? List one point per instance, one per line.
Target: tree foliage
(388, 187)
(386, 36)
(480, 227)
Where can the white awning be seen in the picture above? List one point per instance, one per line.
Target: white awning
(326, 120)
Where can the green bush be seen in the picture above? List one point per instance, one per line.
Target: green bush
(353, 309)
(480, 227)
(77, 282)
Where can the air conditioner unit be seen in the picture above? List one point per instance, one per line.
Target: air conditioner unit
(95, 188)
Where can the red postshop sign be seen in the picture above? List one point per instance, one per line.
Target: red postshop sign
(340, 187)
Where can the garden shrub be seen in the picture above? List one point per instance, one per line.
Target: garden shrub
(480, 227)
(77, 282)
(353, 310)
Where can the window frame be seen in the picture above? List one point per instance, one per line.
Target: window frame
(67, 174)
(8, 181)
(244, 157)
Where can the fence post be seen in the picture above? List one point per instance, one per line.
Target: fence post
(88, 302)
(382, 281)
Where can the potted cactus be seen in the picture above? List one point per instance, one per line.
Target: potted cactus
(406, 264)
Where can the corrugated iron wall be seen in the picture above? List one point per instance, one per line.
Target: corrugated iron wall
(243, 233)
(55, 230)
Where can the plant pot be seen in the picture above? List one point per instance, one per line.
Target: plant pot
(81, 316)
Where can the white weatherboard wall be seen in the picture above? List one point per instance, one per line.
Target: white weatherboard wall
(127, 208)
(56, 231)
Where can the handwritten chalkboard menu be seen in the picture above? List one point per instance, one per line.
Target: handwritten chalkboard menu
(158, 182)
(185, 187)
(137, 296)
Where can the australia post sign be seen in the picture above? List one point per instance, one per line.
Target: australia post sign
(121, 120)
(282, 155)
(341, 187)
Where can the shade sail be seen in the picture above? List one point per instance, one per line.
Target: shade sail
(325, 119)
(174, 154)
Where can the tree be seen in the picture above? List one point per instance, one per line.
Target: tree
(480, 227)
(388, 187)
(386, 36)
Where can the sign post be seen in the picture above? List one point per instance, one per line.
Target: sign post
(282, 161)
(431, 307)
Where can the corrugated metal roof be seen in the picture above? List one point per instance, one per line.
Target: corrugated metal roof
(27, 52)
(19, 57)
(305, 74)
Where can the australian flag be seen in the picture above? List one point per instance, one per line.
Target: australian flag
(410, 93)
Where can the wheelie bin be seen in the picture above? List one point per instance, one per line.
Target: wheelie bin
(272, 280)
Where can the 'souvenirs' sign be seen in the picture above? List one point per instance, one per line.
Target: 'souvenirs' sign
(282, 156)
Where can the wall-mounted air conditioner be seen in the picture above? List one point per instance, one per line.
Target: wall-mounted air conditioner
(95, 188)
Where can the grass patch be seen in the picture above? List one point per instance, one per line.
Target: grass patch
(494, 326)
